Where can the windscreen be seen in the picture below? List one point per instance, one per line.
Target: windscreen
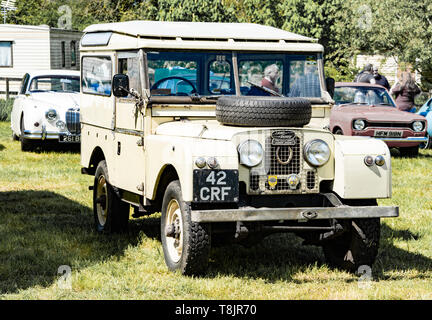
(55, 83)
(211, 73)
(362, 95)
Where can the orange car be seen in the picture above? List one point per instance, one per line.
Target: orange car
(363, 109)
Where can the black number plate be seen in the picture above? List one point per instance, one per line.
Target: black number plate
(215, 185)
(69, 139)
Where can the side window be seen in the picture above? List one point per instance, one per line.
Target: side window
(73, 53)
(63, 54)
(24, 83)
(6, 54)
(128, 64)
(96, 75)
(220, 77)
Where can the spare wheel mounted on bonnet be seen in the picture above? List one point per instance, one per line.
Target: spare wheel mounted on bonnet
(263, 111)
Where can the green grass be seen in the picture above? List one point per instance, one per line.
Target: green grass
(5, 109)
(46, 221)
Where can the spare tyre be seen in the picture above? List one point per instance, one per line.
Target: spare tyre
(263, 111)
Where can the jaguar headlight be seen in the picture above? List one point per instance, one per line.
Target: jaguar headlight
(51, 115)
(417, 126)
(317, 152)
(251, 153)
(359, 124)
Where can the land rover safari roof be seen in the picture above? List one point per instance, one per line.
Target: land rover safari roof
(194, 35)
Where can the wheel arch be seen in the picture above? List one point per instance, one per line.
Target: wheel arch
(166, 175)
(96, 157)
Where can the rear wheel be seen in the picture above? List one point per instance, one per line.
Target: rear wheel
(111, 215)
(355, 248)
(186, 244)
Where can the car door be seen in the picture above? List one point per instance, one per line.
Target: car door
(129, 129)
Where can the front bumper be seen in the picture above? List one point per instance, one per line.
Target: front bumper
(298, 214)
(44, 135)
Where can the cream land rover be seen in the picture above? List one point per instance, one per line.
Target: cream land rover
(223, 128)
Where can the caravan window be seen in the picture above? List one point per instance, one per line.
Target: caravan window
(96, 75)
(5, 54)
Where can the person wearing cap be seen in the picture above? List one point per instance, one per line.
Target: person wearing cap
(380, 79)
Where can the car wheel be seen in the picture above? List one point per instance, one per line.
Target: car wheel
(26, 144)
(356, 247)
(409, 151)
(111, 214)
(427, 144)
(186, 244)
(338, 131)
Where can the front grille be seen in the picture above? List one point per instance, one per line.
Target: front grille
(283, 162)
(310, 180)
(73, 121)
(277, 154)
(387, 125)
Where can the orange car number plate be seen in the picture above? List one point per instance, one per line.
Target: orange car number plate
(388, 134)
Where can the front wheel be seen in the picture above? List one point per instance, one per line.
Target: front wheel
(356, 247)
(186, 244)
(111, 214)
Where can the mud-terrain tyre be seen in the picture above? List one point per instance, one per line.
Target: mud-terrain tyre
(354, 249)
(263, 111)
(111, 214)
(186, 244)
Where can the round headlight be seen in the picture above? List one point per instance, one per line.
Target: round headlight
(251, 153)
(51, 114)
(359, 124)
(418, 126)
(317, 152)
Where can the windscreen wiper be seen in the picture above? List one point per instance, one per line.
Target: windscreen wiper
(272, 92)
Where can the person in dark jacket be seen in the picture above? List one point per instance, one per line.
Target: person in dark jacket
(405, 91)
(380, 79)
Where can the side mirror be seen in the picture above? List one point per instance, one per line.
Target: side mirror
(330, 84)
(121, 85)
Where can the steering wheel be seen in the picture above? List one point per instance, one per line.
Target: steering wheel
(157, 83)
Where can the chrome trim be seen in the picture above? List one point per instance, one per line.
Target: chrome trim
(44, 135)
(299, 214)
(409, 139)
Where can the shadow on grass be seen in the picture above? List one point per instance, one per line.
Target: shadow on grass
(282, 256)
(54, 146)
(40, 231)
(2, 147)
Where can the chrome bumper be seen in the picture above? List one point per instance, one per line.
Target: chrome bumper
(409, 139)
(299, 214)
(43, 135)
